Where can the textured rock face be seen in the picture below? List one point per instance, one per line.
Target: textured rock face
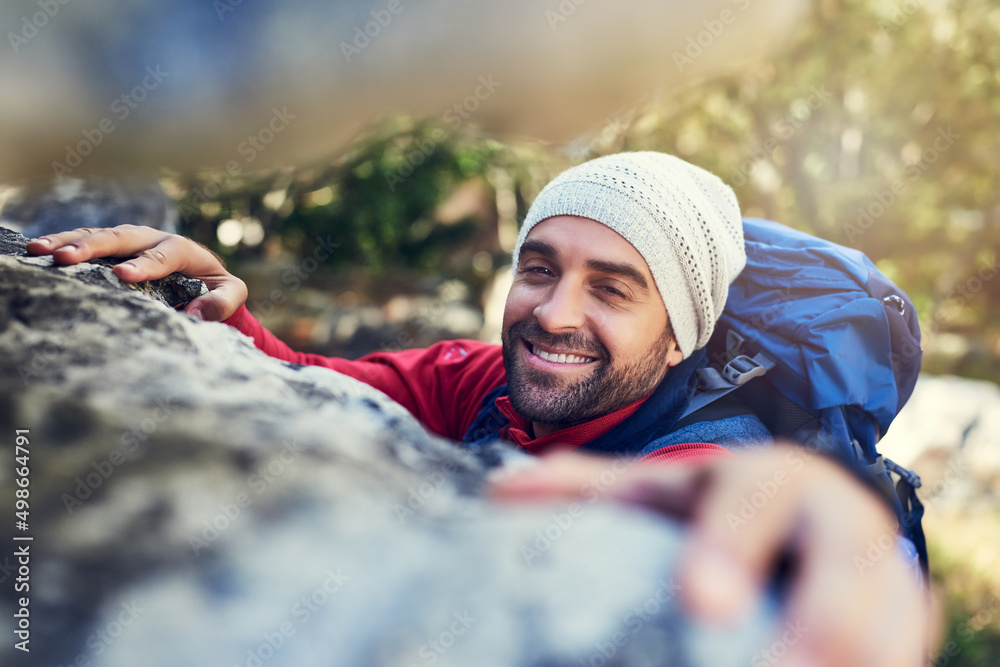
(193, 502)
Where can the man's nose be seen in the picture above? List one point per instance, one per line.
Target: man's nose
(562, 310)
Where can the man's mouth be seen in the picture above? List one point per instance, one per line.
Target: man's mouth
(557, 357)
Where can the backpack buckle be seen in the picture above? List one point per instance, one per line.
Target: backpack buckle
(734, 343)
(912, 478)
(741, 368)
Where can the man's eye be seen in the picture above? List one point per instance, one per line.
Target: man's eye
(537, 270)
(614, 292)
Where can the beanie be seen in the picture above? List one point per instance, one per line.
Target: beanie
(684, 221)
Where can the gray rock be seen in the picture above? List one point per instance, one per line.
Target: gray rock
(63, 204)
(194, 502)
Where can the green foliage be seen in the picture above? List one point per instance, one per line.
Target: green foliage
(970, 610)
(383, 199)
(377, 203)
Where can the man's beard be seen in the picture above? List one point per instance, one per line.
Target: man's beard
(546, 399)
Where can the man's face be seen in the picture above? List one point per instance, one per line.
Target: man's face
(585, 331)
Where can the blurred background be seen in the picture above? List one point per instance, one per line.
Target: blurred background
(876, 125)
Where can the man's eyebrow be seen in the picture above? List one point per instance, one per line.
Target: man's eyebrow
(540, 247)
(623, 270)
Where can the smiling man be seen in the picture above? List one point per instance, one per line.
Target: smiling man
(584, 332)
(623, 264)
(621, 271)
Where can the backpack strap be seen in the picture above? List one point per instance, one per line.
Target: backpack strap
(913, 514)
(721, 407)
(713, 384)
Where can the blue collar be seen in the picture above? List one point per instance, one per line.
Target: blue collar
(657, 415)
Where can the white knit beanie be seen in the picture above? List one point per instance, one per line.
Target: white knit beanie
(684, 221)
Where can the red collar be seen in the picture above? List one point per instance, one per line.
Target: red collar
(519, 431)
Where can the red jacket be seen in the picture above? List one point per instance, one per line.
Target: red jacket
(443, 387)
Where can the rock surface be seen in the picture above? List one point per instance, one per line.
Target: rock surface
(193, 502)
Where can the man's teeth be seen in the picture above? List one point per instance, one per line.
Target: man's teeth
(561, 358)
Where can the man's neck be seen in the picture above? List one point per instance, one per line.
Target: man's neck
(542, 430)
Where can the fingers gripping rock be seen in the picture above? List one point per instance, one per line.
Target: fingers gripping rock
(174, 290)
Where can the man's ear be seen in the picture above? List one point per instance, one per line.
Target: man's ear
(674, 354)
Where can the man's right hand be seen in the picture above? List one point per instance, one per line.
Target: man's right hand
(877, 615)
(154, 254)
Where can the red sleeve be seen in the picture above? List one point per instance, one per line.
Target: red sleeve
(691, 452)
(443, 386)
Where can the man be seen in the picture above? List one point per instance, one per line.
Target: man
(621, 270)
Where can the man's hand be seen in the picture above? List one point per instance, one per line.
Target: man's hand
(154, 254)
(855, 606)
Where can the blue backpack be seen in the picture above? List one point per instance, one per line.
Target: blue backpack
(832, 348)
